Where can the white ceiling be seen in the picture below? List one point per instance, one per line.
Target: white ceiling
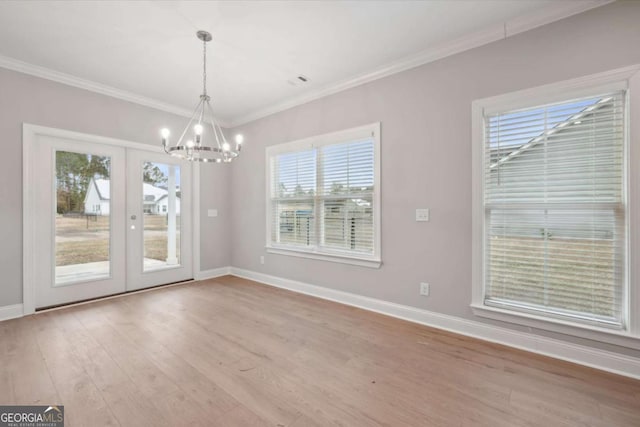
(150, 49)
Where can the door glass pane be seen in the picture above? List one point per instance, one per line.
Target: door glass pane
(161, 207)
(82, 218)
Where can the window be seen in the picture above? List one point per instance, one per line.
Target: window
(551, 207)
(323, 199)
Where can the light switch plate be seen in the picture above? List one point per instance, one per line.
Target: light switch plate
(212, 212)
(422, 214)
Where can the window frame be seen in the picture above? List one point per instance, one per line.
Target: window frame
(627, 79)
(321, 252)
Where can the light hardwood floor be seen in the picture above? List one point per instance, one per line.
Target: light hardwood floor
(230, 352)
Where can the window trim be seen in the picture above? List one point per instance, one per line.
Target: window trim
(628, 79)
(321, 253)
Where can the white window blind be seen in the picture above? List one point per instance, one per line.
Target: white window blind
(322, 196)
(555, 210)
(293, 190)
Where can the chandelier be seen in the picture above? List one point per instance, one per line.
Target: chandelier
(202, 140)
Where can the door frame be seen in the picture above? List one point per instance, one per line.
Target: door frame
(30, 134)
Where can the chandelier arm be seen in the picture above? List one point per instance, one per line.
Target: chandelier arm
(201, 114)
(184, 132)
(214, 125)
(201, 139)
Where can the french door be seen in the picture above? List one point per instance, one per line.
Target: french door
(108, 219)
(159, 230)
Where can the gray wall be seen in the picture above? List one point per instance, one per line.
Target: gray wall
(426, 157)
(32, 100)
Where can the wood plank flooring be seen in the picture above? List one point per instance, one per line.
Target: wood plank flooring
(230, 352)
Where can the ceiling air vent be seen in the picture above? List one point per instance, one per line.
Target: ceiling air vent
(298, 80)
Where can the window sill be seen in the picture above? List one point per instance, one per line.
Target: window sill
(591, 332)
(339, 258)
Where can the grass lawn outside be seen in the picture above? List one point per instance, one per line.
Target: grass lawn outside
(80, 241)
(569, 274)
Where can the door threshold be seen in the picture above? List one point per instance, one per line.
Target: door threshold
(112, 296)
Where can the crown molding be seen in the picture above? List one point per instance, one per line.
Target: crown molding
(552, 13)
(71, 80)
(559, 10)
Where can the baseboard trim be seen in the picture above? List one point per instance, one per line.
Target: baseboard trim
(582, 355)
(213, 273)
(11, 312)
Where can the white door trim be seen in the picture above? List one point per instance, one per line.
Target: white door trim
(30, 133)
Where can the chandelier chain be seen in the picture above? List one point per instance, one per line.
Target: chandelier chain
(204, 67)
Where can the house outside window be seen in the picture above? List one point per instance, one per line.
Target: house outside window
(323, 197)
(551, 206)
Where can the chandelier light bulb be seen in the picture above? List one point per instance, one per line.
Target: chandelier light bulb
(164, 132)
(190, 144)
(197, 129)
(239, 138)
(226, 146)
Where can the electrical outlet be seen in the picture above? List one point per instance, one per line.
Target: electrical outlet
(262, 259)
(424, 289)
(422, 215)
